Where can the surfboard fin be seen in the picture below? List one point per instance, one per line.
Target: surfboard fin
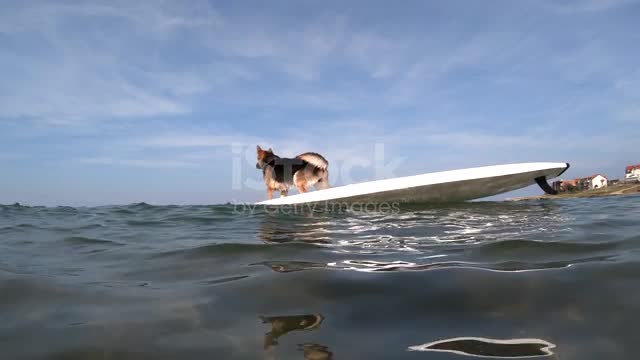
(544, 185)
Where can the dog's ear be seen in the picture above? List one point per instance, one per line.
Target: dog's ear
(258, 148)
(270, 151)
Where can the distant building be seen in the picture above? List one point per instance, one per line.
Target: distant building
(565, 185)
(597, 181)
(632, 172)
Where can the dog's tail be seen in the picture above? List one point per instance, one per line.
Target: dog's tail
(314, 159)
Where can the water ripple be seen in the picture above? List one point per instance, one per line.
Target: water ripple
(190, 281)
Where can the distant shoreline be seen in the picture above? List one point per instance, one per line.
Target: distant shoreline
(613, 190)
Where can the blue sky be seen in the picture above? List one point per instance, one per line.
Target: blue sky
(163, 101)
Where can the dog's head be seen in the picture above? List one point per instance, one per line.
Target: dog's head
(262, 156)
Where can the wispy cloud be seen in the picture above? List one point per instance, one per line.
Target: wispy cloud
(145, 163)
(576, 6)
(88, 74)
(155, 85)
(197, 140)
(94, 75)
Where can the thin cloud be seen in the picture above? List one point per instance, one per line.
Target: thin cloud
(196, 140)
(85, 74)
(144, 163)
(578, 6)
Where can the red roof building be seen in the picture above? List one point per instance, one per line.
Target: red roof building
(632, 172)
(631, 168)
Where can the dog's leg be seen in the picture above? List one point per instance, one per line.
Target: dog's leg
(300, 181)
(269, 193)
(323, 183)
(284, 193)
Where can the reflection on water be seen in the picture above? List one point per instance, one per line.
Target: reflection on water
(291, 266)
(316, 352)
(281, 325)
(279, 228)
(391, 266)
(483, 347)
(510, 266)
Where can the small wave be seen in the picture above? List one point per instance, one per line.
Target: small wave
(65, 209)
(534, 247)
(291, 266)
(144, 223)
(133, 208)
(506, 266)
(14, 206)
(19, 227)
(192, 219)
(77, 227)
(223, 280)
(233, 249)
(123, 211)
(81, 240)
(141, 205)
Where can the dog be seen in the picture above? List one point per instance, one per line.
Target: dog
(303, 171)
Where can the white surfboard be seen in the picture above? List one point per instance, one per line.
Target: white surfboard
(445, 186)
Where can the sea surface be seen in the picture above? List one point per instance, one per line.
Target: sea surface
(555, 279)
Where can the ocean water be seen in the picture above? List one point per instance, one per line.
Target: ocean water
(550, 279)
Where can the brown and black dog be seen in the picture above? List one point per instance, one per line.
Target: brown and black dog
(303, 171)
